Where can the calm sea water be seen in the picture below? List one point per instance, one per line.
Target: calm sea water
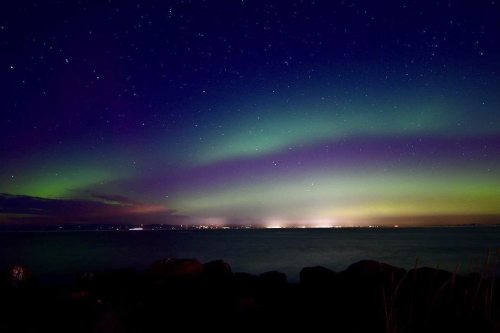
(63, 254)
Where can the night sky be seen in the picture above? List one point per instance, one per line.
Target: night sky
(313, 113)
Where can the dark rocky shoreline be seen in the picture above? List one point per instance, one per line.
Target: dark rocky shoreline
(186, 295)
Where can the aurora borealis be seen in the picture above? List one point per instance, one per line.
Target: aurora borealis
(313, 113)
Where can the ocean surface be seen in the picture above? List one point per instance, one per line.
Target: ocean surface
(61, 255)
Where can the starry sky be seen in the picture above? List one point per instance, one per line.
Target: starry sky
(272, 113)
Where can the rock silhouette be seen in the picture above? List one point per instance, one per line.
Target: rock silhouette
(366, 297)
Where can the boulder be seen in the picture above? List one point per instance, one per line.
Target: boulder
(373, 273)
(374, 267)
(217, 270)
(177, 268)
(317, 276)
(273, 279)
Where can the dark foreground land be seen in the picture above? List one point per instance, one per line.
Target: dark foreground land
(185, 295)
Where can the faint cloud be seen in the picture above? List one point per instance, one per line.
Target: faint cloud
(109, 209)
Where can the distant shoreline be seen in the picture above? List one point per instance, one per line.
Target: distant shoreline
(122, 228)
